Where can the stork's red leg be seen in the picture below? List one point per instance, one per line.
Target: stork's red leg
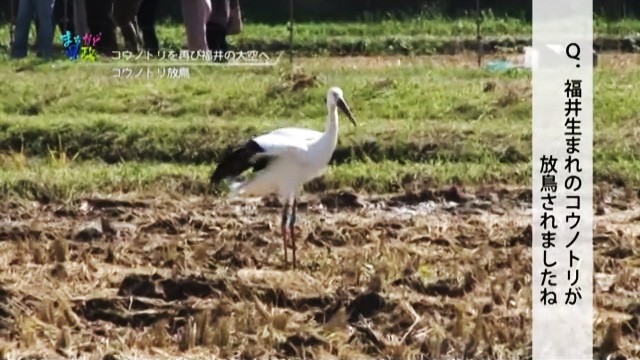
(292, 222)
(283, 229)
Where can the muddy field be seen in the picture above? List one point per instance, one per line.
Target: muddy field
(434, 273)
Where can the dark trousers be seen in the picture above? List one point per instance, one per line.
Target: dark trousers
(59, 16)
(216, 37)
(124, 13)
(100, 21)
(147, 22)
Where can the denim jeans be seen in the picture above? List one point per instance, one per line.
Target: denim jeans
(43, 10)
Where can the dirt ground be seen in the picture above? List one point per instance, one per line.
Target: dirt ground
(434, 273)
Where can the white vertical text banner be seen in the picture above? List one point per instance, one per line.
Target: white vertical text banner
(562, 183)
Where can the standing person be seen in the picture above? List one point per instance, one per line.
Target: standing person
(195, 14)
(147, 23)
(44, 40)
(124, 13)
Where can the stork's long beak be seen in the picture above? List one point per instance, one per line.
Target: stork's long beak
(345, 109)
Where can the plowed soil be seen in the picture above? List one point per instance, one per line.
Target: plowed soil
(434, 273)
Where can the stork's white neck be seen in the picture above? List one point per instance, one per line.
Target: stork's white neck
(329, 139)
(332, 120)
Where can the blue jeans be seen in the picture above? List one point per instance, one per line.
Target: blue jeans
(43, 9)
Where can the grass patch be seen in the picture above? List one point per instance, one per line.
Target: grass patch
(55, 179)
(418, 35)
(429, 119)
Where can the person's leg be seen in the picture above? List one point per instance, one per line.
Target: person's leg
(23, 23)
(188, 19)
(217, 37)
(124, 13)
(195, 14)
(216, 27)
(68, 19)
(58, 15)
(44, 42)
(205, 13)
(63, 19)
(100, 22)
(80, 17)
(147, 22)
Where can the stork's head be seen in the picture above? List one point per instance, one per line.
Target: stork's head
(335, 99)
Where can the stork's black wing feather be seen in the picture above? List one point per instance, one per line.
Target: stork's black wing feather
(262, 162)
(239, 160)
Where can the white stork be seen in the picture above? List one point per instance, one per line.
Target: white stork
(283, 160)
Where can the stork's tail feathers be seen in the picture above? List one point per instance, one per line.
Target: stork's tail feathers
(215, 177)
(235, 162)
(233, 188)
(237, 187)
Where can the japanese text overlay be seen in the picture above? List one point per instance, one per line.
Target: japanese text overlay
(562, 180)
